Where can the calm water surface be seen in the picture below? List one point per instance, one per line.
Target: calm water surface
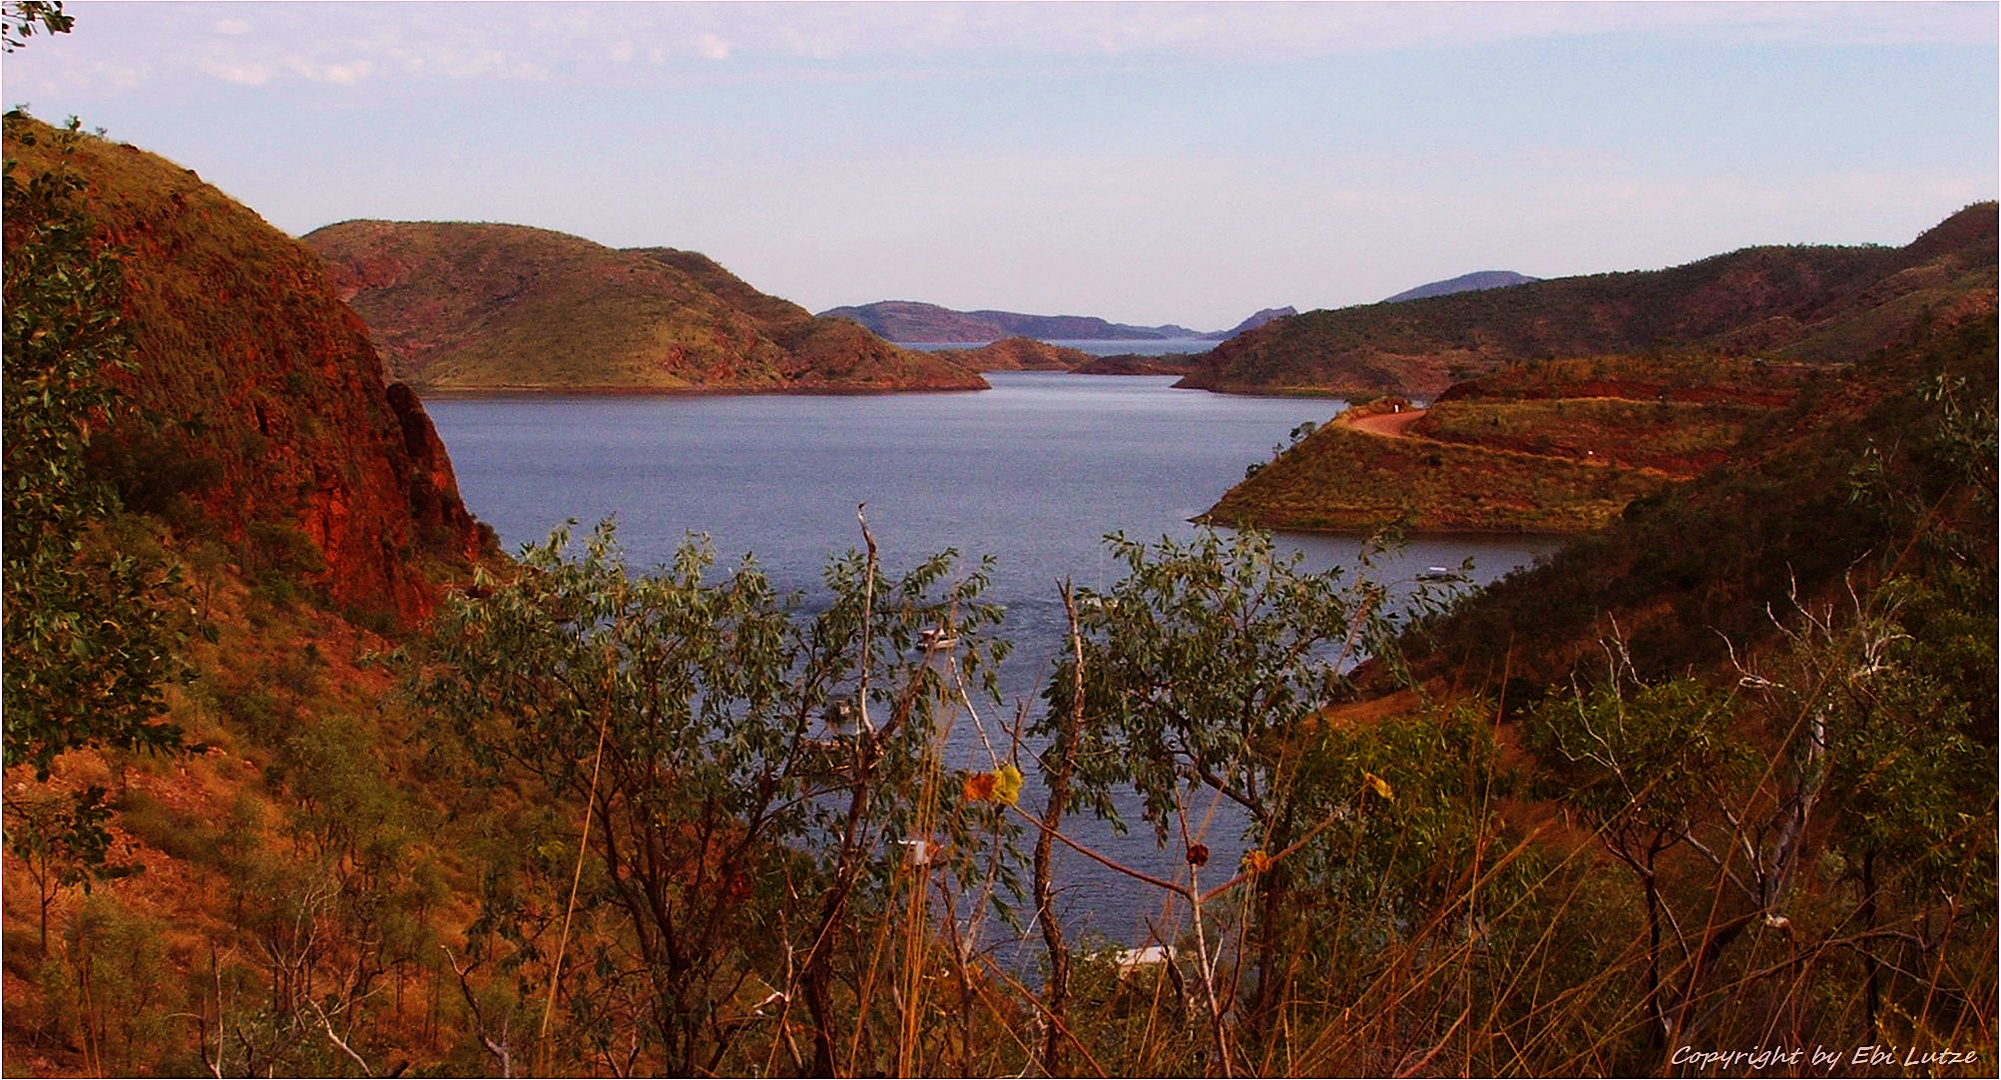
(1094, 346)
(1033, 472)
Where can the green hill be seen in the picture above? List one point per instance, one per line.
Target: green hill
(484, 307)
(1822, 304)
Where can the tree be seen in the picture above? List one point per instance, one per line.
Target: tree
(87, 642)
(21, 18)
(63, 842)
(740, 777)
(1203, 669)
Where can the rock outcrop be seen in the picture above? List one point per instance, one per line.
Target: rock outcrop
(272, 415)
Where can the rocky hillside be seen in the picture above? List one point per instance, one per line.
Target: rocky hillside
(1823, 304)
(484, 307)
(277, 430)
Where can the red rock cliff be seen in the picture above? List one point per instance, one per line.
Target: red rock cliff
(242, 345)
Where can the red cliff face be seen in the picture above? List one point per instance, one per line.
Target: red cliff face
(244, 349)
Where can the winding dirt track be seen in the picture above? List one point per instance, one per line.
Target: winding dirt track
(1391, 424)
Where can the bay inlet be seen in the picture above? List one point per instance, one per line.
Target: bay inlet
(1033, 472)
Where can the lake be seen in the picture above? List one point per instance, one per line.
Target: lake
(1033, 472)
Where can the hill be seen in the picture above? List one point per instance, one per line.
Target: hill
(290, 511)
(483, 307)
(279, 431)
(910, 320)
(1820, 304)
(1473, 282)
(1547, 447)
(1138, 364)
(1257, 319)
(1825, 487)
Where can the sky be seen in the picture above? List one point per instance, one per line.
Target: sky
(1146, 163)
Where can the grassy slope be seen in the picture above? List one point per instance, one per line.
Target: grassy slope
(1766, 298)
(1343, 480)
(1551, 447)
(1667, 436)
(1683, 570)
(463, 306)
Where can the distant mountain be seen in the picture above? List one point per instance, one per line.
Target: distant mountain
(910, 320)
(1473, 282)
(1820, 304)
(1270, 314)
(478, 306)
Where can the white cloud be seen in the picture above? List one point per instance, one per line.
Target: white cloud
(473, 42)
(346, 74)
(241, 73)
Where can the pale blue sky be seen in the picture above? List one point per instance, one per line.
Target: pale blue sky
(1144, 163)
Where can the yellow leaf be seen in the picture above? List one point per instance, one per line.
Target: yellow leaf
(1256, 861)
(1007, 785)
(1381, 785)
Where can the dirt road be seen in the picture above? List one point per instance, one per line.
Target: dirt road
(1391, 424)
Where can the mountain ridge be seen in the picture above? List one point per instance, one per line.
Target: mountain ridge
(1820, 303)
(917, 321)
(1473, 282)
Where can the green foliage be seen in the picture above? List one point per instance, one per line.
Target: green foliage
(21, 20)
(87, 642)
(1205, 668)
(1203, 662)
(1840, 789)
(63, 841)
(116, 999)
(741, 766)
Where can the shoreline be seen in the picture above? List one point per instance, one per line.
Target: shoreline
(428, 393)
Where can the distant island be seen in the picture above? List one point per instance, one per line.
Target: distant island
(460, 306)
(912, 321)
(1473, 282)
(1016, 354)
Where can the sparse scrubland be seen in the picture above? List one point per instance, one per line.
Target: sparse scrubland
(1719, 778)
